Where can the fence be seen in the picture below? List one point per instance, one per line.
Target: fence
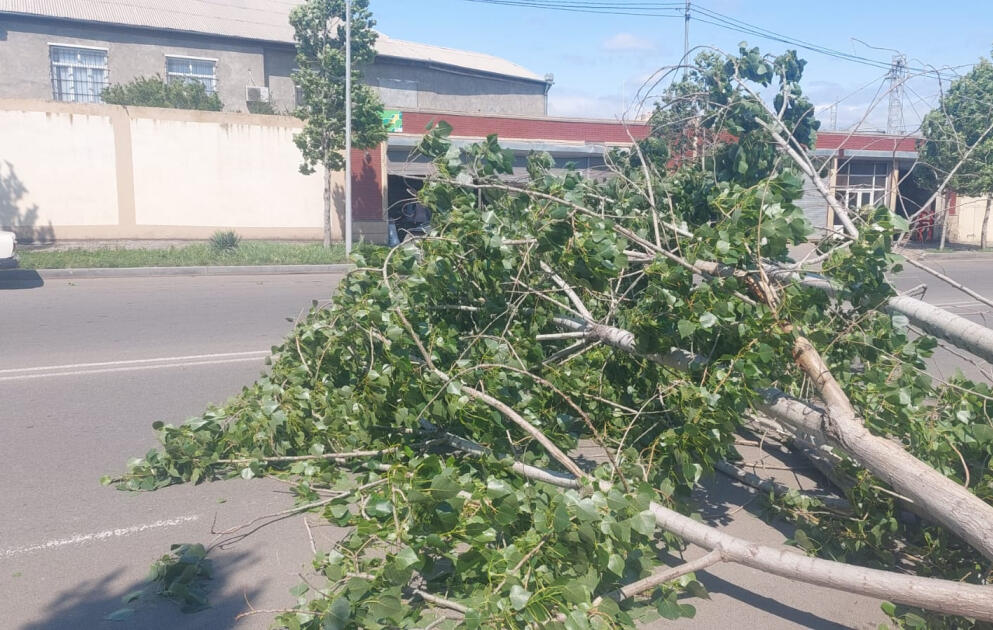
(76, 171)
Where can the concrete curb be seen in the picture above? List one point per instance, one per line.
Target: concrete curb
(924, 257)
(148, 272)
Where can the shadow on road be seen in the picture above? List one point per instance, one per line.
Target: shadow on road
(20, 279)
(802, 618)
(89, 604)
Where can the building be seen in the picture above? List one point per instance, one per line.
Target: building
(70, 50)
(861, 169)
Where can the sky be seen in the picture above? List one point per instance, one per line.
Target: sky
(600, 61)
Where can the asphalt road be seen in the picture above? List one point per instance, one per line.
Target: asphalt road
(87, 365)
(116, 355)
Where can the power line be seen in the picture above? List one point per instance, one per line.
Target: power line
(704, 15)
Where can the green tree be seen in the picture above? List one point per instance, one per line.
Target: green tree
(320, 76)
(154, 92)
(960, 122)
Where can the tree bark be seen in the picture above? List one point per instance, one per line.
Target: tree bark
(327, 208)
(945, 596)
(934, 495)
(986, 221)
(957, 330)
(942, 201)
(939, 498)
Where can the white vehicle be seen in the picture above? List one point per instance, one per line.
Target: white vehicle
(8, 242)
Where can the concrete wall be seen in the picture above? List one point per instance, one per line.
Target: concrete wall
(965, 221)
(409, 85)
(25, 67)
(79, 171)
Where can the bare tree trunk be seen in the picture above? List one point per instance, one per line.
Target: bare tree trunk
(943, 215)
(986, 221)
(945, 596)
(959, 331)
(935, 495)
(327, 208)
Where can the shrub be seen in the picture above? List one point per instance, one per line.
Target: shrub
(224, 241)
(154, 92)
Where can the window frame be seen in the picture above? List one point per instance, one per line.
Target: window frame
(192, 76)
(56, 81)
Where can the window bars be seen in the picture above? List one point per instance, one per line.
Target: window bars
(192, 69)
(78, 74)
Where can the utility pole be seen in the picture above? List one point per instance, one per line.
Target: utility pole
(348, 127)
(686, 38)
(896, 76)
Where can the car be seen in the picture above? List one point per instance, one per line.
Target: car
(8, 245)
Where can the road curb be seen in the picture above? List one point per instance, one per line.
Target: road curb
(148, 272)
(954, 257)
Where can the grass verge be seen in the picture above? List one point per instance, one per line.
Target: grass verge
(198, 254)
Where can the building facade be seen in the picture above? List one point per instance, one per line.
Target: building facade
(861, 169)
(242, 50)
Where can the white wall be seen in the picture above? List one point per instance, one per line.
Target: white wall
(56, 168)
(965, 226)
(210, 173)
(78, 171)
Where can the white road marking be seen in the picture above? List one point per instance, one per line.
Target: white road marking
(104, 367)
(79, 539)
(190, 357)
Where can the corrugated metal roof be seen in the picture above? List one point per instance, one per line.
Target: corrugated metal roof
(266, 20)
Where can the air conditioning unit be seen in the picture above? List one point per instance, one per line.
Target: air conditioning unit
(256, 94)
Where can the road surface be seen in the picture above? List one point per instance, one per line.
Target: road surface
(88, 365)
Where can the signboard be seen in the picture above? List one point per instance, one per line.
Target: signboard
(393, 120)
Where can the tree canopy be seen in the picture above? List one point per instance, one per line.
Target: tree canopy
(962, 120)
(319, 31)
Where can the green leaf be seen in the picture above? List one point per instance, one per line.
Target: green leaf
(644, 523)
(686, 328)
(338, 614)
(615, 564)
(707, 320)
(519, 597)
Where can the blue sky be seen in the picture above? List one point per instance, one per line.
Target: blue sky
(599, 61)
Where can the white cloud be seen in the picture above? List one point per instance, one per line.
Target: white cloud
(627, 42)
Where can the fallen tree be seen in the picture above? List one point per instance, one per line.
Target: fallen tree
(435, 407)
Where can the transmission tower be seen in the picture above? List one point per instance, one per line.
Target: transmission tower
(896, 76)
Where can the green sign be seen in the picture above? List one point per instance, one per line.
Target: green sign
(393, 120)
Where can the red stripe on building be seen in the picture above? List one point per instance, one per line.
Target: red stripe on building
(865, 142)
(529, 128)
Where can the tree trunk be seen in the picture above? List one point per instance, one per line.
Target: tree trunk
(943, 215)
(327, 208)
(957, 330)
(935, 495)
(945, 596)
(986, 221)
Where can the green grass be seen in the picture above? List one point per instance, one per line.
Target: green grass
(199, 254)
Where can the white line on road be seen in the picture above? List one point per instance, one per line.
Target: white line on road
(190, 357)
(79, 539)
(129, 366)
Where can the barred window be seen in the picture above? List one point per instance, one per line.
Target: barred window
(78, 74)
(192, 69)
